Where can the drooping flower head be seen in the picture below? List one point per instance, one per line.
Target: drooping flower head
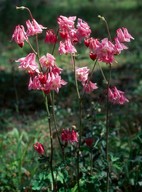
(33, 27)
(50, 36)
(55, 82)
(123, 35)
(66, 24)
(66, 47)
(19, 35)
(89, 86)
(116, 96)
(47, 60)
(83, 29)
(68, 135)
(28, 63)
(82, 74)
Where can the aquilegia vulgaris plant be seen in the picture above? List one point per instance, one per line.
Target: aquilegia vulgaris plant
(76, 168)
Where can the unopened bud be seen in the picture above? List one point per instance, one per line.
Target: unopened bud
(22, 7)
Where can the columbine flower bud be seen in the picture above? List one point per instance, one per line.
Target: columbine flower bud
(89, 141)
(39, 148)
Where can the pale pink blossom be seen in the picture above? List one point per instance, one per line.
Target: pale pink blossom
(28, 63)
(68, 135)
(50, 36)
(33, 27)
(105, 51)
(123, 35)
(82, 74)
(116, 96)
(83, 29)
(19, 35)
(66, 28)
(66, 23)
(56, 70)
(66, 47)
(34, 83)
(54, 82)
(47, 60)
(93, 44)
(89, 86)
(39, 148)
(119, 46)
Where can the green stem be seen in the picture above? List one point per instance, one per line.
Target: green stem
(80, 121)
(107, 131)
(107, 27)
(102, 73)
(51, 140)
(54, 118)
(55, 43)
(31, 46)
(22, 8)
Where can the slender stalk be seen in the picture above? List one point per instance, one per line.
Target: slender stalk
(55, 43)
(90, 76)
(80, 121)
(31, 46)
(103, 73)
(107, 131)
(107, 27)
(51, 140)
(37, 46)
(54, 118)
(22, 8)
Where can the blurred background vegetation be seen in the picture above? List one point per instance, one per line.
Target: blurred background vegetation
(22, 115)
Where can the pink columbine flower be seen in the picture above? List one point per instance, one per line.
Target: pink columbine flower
(93, 44)
(119, 46)
(83, 29)
(33, 27)
(116, 96)
(54, 82)
(69, 136)
(66, 23)
(123, 35)
(28, 63)
(34, 83)
(105, 52)
(82, 74)
(66, 47)
(19, 35)
(39, 148)
(47, 61)
(89, 86)
(50, 36)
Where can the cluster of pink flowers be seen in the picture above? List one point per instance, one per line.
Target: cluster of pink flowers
(20, 35)
(44, 73)
(116, 96)
(105, 50)
(83, 76)
(46, 80)
(69, 135)
(71, 34)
